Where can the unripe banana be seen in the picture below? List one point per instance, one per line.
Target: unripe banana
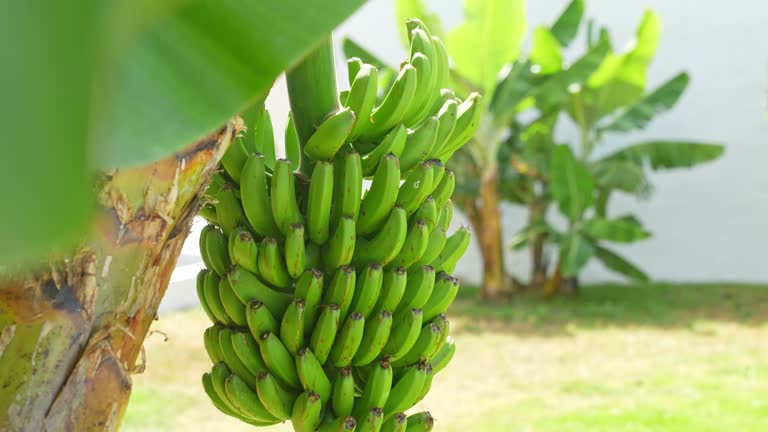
(325, 332)
(247, 350)
(306, 412)
(347, 186)
(348, 340)
(234, 159)
(429, 339)
(214, 187)
(362, 97)
(341, 289)
(200, 285)
(381, 197)
(341, 247)
(278, 359)
(447, 117)
(341, 424)
(445, 326)
(416, 242)
(229, 211)
(354, 65)
(260, 319)
(443, 294)
(438, 170)
(319, 204)
(427, 212)
(393, 143)
(443, 69)
(374, 339)
(416, 188)
(468, 121)
(212, 297)
(311, 256)
(392, 289)
(275, 398)
(292, 326)
(386, 244)
(331, 135)
(373, 420)
(255, 196)
(427, 384)
(446, 216)
(295, 251)
(454, 249)
(343, 398)
(405, 331)
(247, 400)
(419, 144)
(230, 357)
(219, 374)
(310, 288)
(426, 91)
(292, 145)
(203, 243)
(444, 190)
(311, 374)
(421, 422)
(444, 355)
(285, 209)
(248, 287)
(406, 390)
(396, 423)
(216, 249)
(418, 289)
(376, 389)
(424, 86)
(245, 251)
(234, 308)
(208, 212)
(395, 104)
(211, 342)
(218, 402)
(367, 289)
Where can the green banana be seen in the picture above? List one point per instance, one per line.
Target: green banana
(354, 65)
(405, 331)
(421, 281)
(416, 188)
(419, 144)
(219, 374)
(340, 424)
(306, 412)
(341, 247)
(325, 332)
(424, 348)
(311, 374)
(348, 340)
(213, 299)
(367, 289)
(396, 423)
(259, 319)
(424, 86)
(445, 327)
(248, 287)
(386, 244)
(395, 104)
(443, 355)
(247, 400)
(310, 288)
(343, 398)
(278, 359)
(245, 251)
(311, 256)
(319, 202)
(229, 211)
(211, 342)
(427, 384)
(380, 198)
(230, 356)
(247, 350)
(234, 308)
(420, 422)
(443, 69)
(331, 135)
(216, 249)
(437, 240)
(295, 251)
(393, 143)
(203, 243)
(416, 242)
(200, 285)
(427, 212)
(375, 336)
(214, 187)
(292, 145)
(392, 289)
(208, 212)
(443, 294)
(292, 326)
(341, 289)
(444, 190)
(285, 209)
(372, 420)
(376, 390)
(256, 203)
(234, 159)
(438, 170)
(271, 264)
(468, 119)
(218, 402)
(406, 390)
(362, 97)
(446, 216)
(454, 249)
(275, 398)
(447, 117)
(347, 186)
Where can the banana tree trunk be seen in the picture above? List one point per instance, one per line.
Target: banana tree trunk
(495, 282)
(71, 331)
(536, 212)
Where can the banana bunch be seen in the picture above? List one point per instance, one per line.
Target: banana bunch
(329, 304)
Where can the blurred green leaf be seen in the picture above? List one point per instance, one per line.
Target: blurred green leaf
(668, 154)
(639, 114)
(546, 54)
(624, 175)
(511, 90)
(407, 9)
(618, 264)
(575, 252)
(623, 230)
(572, 184)
(487, 39)
(567, 25)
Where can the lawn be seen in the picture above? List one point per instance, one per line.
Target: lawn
(619, 358)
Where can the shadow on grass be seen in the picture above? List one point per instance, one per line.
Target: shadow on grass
(660, 305)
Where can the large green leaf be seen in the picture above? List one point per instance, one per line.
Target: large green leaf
(618, 264)
(546, 55)
(624, 175)
(668, 154)
(621, 230)
(571, 183)
(489, 38)
(513, 88)
(575, 252)
(639, 114)
(567, 25)
(407, 9)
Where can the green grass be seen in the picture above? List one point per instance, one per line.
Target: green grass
(662, 357)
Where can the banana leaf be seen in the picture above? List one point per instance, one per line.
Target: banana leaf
(619, 264)
(546, 54)
(639, 114)
(575, 252)
(668, 154)
(567, 25)
(571, 183)
(620, 230)
(624, 175)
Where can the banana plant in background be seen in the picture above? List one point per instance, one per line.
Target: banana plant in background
(329, 304)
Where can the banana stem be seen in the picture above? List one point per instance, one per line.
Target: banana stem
(312, 93)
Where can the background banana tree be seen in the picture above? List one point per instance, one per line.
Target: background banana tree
(115, 118)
